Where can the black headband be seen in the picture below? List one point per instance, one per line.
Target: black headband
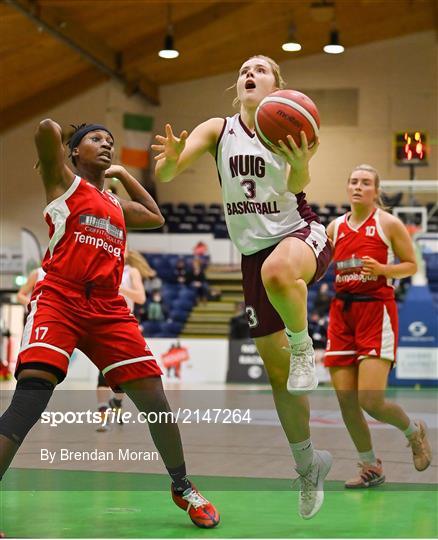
(80, 134)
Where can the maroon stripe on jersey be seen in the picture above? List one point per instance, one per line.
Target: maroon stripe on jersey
(306, 213)
(217, 149)
(322, 262)
(219, 138)
(246, 128)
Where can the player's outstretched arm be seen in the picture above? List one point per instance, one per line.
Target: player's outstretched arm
(177, 153)
(141, 212)
(57, 177)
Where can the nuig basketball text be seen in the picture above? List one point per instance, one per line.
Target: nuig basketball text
(122, 454)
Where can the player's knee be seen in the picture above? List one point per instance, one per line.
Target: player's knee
(348, 401)
(371, 403)
(29, 401)
(275, 276)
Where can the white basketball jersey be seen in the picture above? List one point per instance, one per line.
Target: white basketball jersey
(259, 209)
(126, 283)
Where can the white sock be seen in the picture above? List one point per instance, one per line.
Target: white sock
(412, 428)
(303, 455)
(368, 457)
(296, 338)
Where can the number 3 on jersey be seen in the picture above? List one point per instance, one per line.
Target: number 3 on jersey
(249, 188)
(252, 317)
(41, 331)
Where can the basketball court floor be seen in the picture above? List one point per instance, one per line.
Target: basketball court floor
(244, 467)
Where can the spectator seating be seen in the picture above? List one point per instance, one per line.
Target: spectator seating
(179, 299)
(209, 218)
(204, 218)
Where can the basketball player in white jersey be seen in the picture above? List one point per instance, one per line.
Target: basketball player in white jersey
(284, 248)
(25, 291)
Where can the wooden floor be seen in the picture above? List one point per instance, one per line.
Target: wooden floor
(257, 449)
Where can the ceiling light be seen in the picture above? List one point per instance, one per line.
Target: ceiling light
(168, 51)
(334, 47)
(291, 44)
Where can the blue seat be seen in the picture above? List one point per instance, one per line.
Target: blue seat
(150, 328)
(199, 208)
(172, 258)
(171, 329)
(183, 304)
(166, 209)
(185, 228)
(182, 209)
(179, 315)
(190, 218)
(186, 293)
(203, 227)
(220, 230)
(215, 209)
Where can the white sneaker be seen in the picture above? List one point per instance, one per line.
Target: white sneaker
(302, 372)
(312, 484)
(103, 427)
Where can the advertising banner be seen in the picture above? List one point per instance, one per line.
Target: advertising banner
(245, 364)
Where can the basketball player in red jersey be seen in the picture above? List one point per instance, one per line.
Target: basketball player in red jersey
(284, 248)
(363, 327)
(78, 304)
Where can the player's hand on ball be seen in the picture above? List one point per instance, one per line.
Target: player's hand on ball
(372, 268)
(170, 146)
(297, 157)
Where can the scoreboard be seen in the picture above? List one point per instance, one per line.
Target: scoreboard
(411, 148)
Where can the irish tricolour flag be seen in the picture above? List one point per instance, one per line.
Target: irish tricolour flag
(137, 139)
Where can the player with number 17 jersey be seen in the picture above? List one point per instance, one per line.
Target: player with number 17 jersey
(77, 304)
(87, 236)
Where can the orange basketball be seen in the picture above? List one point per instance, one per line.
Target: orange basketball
(286, 112)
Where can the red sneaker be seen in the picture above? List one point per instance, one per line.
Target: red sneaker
(201, 512)
(369, 476)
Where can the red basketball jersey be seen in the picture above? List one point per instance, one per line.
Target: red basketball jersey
(351, 244)
(87, 236)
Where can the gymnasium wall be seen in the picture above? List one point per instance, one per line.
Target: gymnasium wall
(395, 84)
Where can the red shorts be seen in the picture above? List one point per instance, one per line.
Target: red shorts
(365, 329)
(63, 318)
(263, 319)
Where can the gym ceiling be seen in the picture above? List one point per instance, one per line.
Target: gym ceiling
(52, 50)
